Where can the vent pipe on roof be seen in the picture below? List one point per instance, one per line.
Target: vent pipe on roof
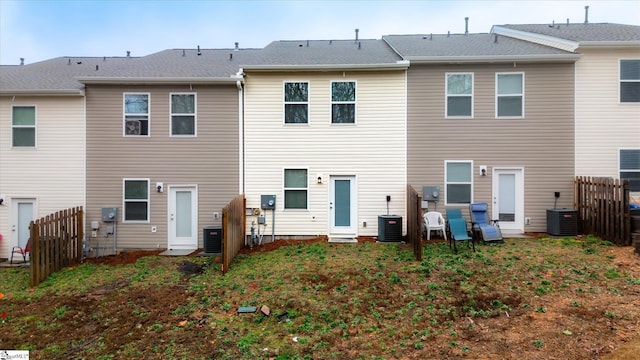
(230, 56)
(104, 58)
(359, 45)
(431, 36)
(448, 33)
(199, 53)
(466, 25)
(495, 40)
(307, 43)
(69, 63)
(237, 44)
(22, 61)
(357, 31)
(567, 21)
(586, 14)
(97, 68)
(128, 53)
(330, 42)
(184, 53)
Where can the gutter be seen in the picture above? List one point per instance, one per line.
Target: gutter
(609, 44)
(493, 59)
(399, 65)
(42, 92)
(232, 80)
(559, 43)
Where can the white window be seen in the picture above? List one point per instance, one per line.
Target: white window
(295, 188)
(136, 114)
(23, 125)
(296, 102)
(458, 182)
(630, 167)
(459, 89)
(343, 102)
(183, 114)
(509, 94)
(630, 81)
(136, 200)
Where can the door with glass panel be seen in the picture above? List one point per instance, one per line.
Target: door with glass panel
(183, 217)
(23, 211)
(343, 205)
(508, 198)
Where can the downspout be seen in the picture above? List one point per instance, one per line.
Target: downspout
(240, 132)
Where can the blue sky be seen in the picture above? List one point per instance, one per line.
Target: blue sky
(39, 29)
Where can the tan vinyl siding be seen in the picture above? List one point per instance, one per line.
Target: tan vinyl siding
(373, 149)
(210, 160)
(603, 124)
(541, 143)
(53, 171)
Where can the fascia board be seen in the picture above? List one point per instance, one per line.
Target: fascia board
(159, 80)
(399, 65)
(492, 59)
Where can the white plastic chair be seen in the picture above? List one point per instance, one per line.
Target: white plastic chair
(434, 221)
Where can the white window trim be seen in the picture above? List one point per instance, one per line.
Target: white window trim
(446, 195)
(148, 201)
(354, 102)
(620, 81)
(446, 95)
(521, 95)
(284, 189)
(620, 170)
(124, 114)
(195, 114)
(35, 127)
(285, 103)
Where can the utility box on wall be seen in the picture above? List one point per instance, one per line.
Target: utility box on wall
(109, 214)
(431, 193)
(267, 202)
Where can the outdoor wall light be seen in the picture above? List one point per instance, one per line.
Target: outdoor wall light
(159, 187)
(483, 170)
(319, 178)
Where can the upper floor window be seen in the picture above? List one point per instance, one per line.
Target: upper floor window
(510, 95)
(295, 188)
(136, 199)
(630, 167)
(630, 81)
(458, 181)
(343, 102)
(136, 114)
(459, 89)
(23, 124)
(183, 114)
(296, 102)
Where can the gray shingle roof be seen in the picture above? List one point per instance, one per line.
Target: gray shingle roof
(579, 32)
(472, 46)
(328, 52)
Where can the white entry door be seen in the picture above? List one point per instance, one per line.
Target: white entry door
(343, 205)
(23, 211)
(183, 218)
(508, 198)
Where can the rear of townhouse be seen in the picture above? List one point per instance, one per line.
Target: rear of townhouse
(516, 163)
(166, 182)
(328, 178)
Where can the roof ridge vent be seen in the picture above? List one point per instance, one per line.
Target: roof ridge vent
(128, 53)
(22, 61)
(236, 48)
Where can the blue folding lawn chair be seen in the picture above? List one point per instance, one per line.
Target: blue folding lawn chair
(483, 228)
(458, 228)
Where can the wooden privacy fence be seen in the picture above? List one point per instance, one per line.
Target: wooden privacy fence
(414, 221)
(603, 208)
(56, 242)
(233, 230)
